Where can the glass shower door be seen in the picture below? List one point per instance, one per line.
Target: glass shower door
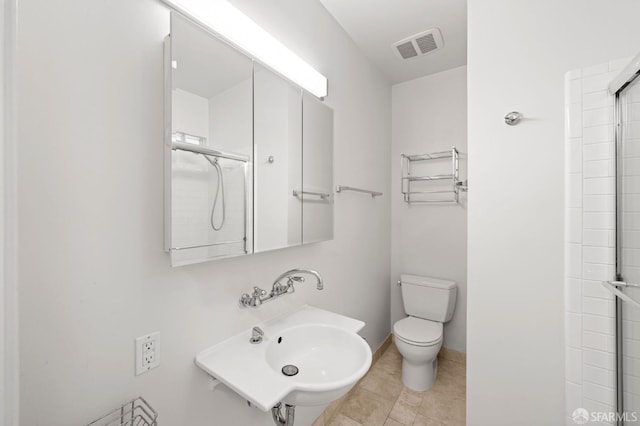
(627, 111)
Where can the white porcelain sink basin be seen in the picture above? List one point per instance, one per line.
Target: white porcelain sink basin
(327, 362)
(324, 346)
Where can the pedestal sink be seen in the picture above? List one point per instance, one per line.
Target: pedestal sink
(309, 357)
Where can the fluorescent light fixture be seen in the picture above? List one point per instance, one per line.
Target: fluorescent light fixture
(222, 18)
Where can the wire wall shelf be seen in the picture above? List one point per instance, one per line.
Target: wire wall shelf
(134, 413)
(424, 193)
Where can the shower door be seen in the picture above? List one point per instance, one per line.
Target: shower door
(627, 133)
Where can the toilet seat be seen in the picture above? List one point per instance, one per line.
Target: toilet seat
(418, 331)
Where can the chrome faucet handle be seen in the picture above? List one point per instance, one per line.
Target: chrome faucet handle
(256, 335)
(245, 300)
(254, 299)
(280, 289)
(258, 292)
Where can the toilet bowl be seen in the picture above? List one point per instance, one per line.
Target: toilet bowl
(429, 303)
(418, 341)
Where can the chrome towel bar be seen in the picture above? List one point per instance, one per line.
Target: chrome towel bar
(322, 195)
(341, 188)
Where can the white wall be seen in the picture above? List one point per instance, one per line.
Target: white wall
(518, 55)
(230, 116)
(9, 361)
(277, 107)
(93, 273)
(190, 114)
(430, 115)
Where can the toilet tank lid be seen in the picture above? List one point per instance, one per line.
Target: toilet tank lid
(427, 281)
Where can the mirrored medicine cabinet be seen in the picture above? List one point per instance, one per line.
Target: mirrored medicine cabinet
(248, 154)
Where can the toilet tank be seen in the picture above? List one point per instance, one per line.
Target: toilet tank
(428, 298)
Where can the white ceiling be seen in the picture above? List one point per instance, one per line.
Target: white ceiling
(375, 25)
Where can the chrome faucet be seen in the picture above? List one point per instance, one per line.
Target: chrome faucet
(260, 296)
(293, 277)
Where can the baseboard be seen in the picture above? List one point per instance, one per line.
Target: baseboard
(383, 347)
(452, 355)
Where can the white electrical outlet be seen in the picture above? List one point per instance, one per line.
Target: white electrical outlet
(147, 352)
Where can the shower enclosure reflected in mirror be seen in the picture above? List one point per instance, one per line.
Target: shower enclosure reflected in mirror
(248, 154)
(211, 146)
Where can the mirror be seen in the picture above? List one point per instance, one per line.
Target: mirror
(278, 166)
(317, 166)
(211, 146)
(248, 156)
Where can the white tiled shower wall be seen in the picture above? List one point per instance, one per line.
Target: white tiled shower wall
(590, 239)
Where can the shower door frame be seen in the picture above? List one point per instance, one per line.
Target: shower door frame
(627, 77)
(618, 255)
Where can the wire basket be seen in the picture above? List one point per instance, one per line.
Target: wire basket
(134, 413)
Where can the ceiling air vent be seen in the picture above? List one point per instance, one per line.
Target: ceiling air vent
(406, 50)
(419, 44)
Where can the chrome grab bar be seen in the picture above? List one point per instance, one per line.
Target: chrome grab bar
(612, 287)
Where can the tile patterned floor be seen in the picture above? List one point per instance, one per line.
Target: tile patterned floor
(380, 398)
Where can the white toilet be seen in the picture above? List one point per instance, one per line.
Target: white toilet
(430, 303)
